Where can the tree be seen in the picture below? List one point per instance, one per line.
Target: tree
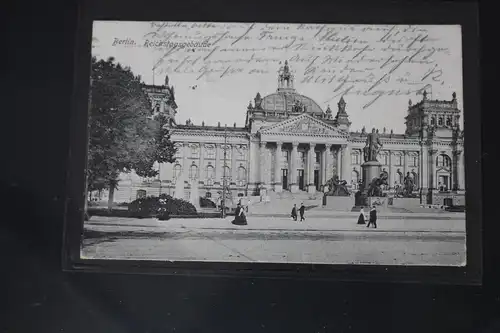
(122, 135)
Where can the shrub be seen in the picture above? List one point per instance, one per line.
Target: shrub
(205, 202)
(160, 206)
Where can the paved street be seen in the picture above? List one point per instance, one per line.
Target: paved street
(407, 240)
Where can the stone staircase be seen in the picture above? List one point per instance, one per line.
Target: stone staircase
(282, 202)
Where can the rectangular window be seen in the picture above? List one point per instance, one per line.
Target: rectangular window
(210, 152)
(318, 157)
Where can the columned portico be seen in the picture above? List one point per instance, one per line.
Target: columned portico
(311, 158)
(278, 186)
(262, 163)
(294, 187)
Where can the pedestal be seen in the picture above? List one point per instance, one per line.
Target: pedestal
(371, 170)
(278, 188)
(294, 188)
(311, 189)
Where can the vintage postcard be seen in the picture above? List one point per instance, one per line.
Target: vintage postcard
(276, 143)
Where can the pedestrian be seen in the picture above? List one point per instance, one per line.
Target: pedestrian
(302, 209)
(361, 218)
(294, 212)
(239, 216)
(373, 218)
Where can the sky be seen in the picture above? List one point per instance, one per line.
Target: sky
(218, 68)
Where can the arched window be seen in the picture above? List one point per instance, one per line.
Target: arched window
(355, 158)
(354, 177)
(443, 161)
(415, 180)
(208, 195)
(448, 121)
(226, 173)
(433, 121)
(193, 172)
(157, 107)
(414, 160)
(399, 178)
(440, 121)
(210, 175)
(177, 172)
(241, 176)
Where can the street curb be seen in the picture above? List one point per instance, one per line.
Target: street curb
(299, 230)
(381, 217)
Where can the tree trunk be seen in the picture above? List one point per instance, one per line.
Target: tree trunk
(111, 195)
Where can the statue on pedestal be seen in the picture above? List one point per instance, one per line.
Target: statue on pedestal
(375, 187)
(372, 146)
(337, 187)
(408, 186)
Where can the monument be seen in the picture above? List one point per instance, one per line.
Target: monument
(370, 191)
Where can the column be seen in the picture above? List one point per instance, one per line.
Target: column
(461, 171)
(311, 159)
(391, 180)
(432, 168)
(277, 168)
(185, 166)
(328, 163)
(294, 187)
(234, 167)
(201, 168)
(424, 173)
(339, 161)
(218, 165)
(405, 165)
(322, 172)
(459, 181)
(253, 164)
(262, 161)
(346, 164)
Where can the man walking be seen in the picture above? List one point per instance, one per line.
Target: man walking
(373, 218)
(294, 212)
(302, 209)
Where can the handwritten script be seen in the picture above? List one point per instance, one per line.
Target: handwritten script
(362, 60)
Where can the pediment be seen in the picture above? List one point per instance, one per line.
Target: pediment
(303, 125)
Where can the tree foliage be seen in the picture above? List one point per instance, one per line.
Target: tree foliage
(123, 135)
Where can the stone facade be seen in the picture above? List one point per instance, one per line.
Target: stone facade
(289, 143)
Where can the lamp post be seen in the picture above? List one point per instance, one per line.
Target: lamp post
(224, 174)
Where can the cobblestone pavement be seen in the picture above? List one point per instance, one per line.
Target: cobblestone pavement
(317, 240)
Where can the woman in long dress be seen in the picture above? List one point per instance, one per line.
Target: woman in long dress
(239, 216)
(361, 218)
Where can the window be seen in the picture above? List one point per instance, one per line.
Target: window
(241, 154)
(193, 172)
(210, 175)
(433, 121)
(241, 176)
(318, 157)
(157, 107)
(302, 156)
(440, 121)
(140, 194)
(241, 195)
(227, 150)
(285, 155)
(355, 158)
(226, 173)
(399, 159)
(414, 160)
(443, 161)
(399, 178)
(448, 121)
(383, 158)
(195, 152)
(178, 151)
(354, 177)
(177, 172)
(210, 152)
(208, 195)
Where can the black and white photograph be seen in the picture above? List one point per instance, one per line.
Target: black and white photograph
(336, 144)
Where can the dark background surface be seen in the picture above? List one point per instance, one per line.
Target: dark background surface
(39, 297)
